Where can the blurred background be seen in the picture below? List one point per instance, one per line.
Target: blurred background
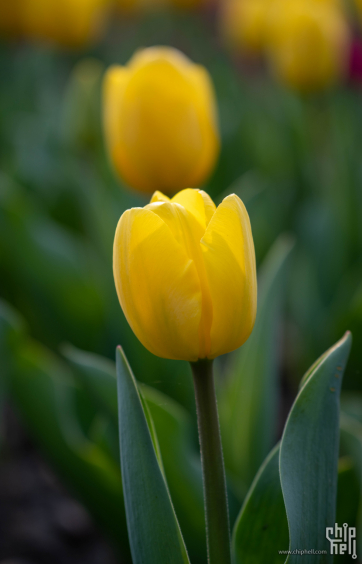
(288, 83)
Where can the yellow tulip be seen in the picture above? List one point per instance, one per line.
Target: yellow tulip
(243, 23)
(160, 121)
(69, 23)
(308, 43)
(185, 274)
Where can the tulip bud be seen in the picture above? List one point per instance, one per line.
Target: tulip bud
(70, 23)
(160, 121)
(243, 23)
(308, 43)
(185, 274)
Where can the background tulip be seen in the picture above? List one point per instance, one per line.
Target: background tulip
(185, 274)
(243, 24)
(160, 121)
(307, 43)
(69, 23)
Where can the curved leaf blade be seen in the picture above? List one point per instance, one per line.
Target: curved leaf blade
(173, 435)
(154, 533)
(181, 462)
(309, 456)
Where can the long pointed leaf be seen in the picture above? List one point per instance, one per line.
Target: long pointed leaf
(154, 533)
(173, 429)
(309, 456)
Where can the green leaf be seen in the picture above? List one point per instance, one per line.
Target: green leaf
(309, 455)
(153, 530)
(171, 426)
(261, 529)
(181, 462)
(248, 404)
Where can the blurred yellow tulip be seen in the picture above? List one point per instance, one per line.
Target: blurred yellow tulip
(243, 23)
(307, 43)
(160, 121)
(69, 23)
(185, 274)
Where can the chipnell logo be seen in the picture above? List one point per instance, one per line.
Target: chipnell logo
(342, 540)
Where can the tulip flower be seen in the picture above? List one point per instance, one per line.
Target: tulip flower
(185, 274)
(160, 121)
(243, 24)
(308, 43)
(69, 23)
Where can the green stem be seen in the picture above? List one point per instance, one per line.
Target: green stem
(215, 498)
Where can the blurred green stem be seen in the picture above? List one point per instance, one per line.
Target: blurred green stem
(215, 497)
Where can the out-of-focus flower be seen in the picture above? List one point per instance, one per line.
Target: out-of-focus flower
(307, 43)
(185, 274)
(160, 121)
(70, 23)
(243, 24)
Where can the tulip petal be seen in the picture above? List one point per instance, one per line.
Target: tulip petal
(157, 285)
(210, 207)
(115, 82)
(229, 256)
(188, 232)
(159, 197)
(198, 203)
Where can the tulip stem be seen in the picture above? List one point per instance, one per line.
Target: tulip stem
(215, 496)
